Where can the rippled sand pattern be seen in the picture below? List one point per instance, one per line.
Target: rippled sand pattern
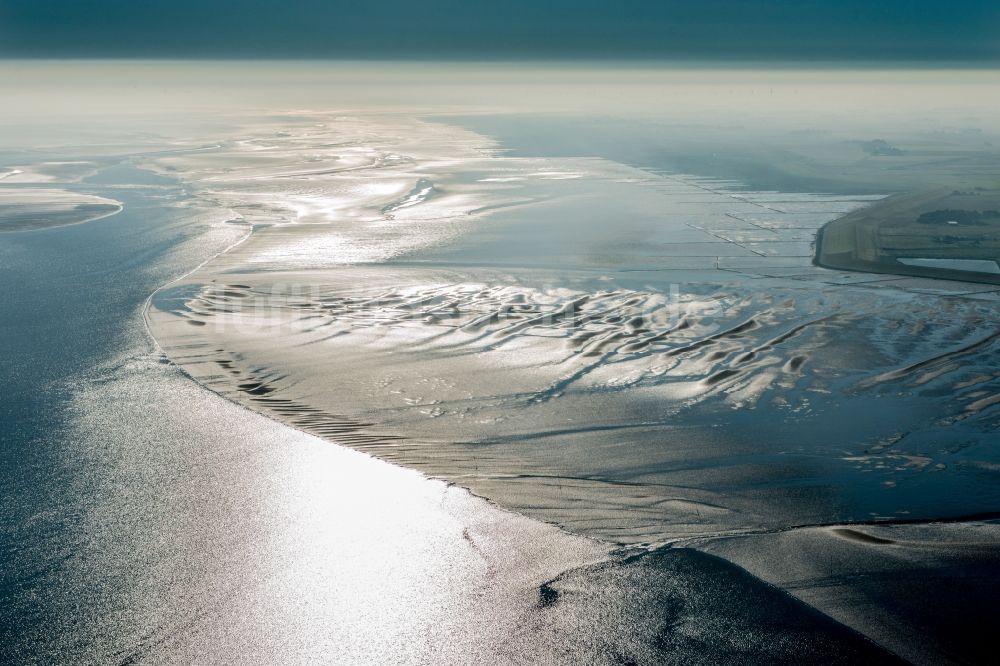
(633, 356)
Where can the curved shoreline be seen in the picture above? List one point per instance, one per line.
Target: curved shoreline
(857, 234)
(41, 224)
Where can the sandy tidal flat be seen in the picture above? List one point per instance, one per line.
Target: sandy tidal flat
(641, 358)
(25, 209)
(574, 327)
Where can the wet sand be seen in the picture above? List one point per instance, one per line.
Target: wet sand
(644, 359)
(504, 335)
(27, 209)
(925, 591)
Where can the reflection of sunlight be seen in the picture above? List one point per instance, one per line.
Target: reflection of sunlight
(369, 545)
(380, 188)
(322, 250)
(224, 536)
(371, 563)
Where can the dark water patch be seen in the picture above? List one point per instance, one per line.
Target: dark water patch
(547, 595)
(421, 192)
(176, 299)
(680, 606)
(127, 173)
(861, 537)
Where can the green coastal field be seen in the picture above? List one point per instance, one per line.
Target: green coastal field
(943, 233)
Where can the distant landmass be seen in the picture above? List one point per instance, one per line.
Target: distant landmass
(951, 234)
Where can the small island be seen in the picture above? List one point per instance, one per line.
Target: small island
(945, 234)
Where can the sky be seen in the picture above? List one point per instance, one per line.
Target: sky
(965, 31)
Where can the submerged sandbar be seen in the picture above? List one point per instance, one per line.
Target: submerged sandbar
(28, 209)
